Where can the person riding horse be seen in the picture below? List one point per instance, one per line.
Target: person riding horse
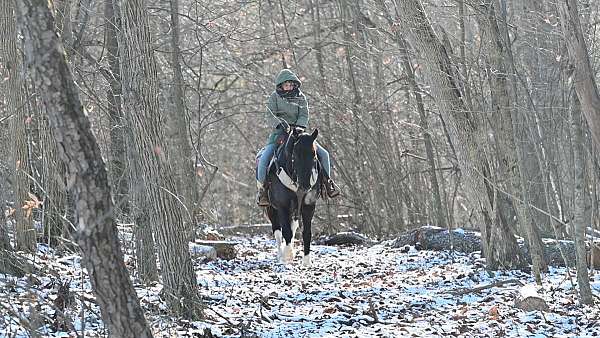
(287, 106)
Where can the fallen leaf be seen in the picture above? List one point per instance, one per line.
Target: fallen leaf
(493, 312)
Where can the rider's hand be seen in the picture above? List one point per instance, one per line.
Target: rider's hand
(297, 129)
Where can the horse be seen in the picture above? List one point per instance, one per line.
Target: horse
(295, 185)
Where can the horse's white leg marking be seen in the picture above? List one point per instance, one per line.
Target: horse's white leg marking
(288, 252)
(278, 242)
(306, 261)
(295, 225)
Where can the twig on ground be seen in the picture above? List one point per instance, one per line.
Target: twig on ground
(222, 316)
(463, 291)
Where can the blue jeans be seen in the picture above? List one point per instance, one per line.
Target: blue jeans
(267, 154)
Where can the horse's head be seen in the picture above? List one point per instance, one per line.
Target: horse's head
(303, 158)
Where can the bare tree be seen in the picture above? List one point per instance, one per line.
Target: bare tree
(97, 232)
(118, 145)
(179, 123)
(17, 107)
(439, 210)
(579, 223)
(140, 99)
(57, 227)
(500, 247)
(584, 80)
(504, 113)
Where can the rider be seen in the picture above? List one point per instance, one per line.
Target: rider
(289, 104)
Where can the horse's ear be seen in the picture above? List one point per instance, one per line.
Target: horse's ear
(315, 134)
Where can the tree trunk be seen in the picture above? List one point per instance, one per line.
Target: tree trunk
(327, 136)
(439, 211)
(583, 77)
(500, 247)
(182, 154)
(97, 232)
(510, 164)
(118, 161)
(140, 97)
(56, 227)
(4, 240)
(16, 103)
(144, 242)
(579, 222)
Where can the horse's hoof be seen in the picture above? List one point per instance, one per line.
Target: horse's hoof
(306, 261)
(288, 253)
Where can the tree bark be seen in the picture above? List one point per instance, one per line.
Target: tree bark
(97, 231)
(56, 227)
(439, 210)
(327, 136)
(118, 145)
(579, 223)
(500, 247)
(4, 240)
(16, 103)
(184, 168)
(144, 241)
(583, 76)
(140, 97)
(510, 165)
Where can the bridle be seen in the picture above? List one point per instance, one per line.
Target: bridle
(291, 181)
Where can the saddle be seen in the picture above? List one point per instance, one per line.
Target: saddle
(280, 141)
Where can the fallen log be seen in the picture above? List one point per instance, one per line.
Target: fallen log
(345, 238)
(438, 239)
(224, 249)
(14, 264)
(199, 251)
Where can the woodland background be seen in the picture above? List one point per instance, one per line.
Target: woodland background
(477, 114)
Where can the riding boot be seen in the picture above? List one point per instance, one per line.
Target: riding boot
(332, 189)
(262, 198)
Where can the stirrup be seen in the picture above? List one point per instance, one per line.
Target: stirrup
(262, 198)
(332, 189)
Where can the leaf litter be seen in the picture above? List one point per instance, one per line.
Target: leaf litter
(354, 291)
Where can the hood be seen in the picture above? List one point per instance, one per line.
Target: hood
(287, 75)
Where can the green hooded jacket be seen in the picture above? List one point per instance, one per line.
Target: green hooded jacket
(293, 110)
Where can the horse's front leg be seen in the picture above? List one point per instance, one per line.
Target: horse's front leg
(308, 211)
(285, 220)
(276, 227)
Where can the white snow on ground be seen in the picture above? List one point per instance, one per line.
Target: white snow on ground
(349, 292)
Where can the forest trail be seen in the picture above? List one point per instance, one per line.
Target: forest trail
(382, 292)
(350, 291)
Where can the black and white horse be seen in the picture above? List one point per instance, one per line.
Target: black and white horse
(294, 188)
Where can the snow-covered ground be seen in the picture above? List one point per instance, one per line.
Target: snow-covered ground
(349, 292)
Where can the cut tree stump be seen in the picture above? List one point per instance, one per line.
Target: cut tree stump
(438, 239)
(224, 249)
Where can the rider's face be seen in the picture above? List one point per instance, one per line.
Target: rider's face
(287, 85)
